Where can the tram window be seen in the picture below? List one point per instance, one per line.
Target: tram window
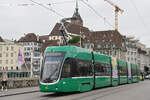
(107, 69)
(76, 68)
(122, 71)
(134, 72)
(102, 69)
(84, 68)
(99, 69)
(66, 70)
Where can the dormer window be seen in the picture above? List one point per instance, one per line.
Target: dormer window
(99, 46)
(113, 45)
(104, 35)
(106, 46)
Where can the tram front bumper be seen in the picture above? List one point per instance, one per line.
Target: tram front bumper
(50, 88)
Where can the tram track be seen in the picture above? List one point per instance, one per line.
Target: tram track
(93, 95)
(124, 92)
(106, 92)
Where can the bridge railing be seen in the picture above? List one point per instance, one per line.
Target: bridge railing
(19, 79)
(16, 74)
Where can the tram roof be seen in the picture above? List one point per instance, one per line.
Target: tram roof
(72, 51)
(101, 58)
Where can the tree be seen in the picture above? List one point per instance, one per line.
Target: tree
(75, 39)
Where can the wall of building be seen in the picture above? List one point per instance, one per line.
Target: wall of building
(9, 55)
(32, 55)
(131, 55)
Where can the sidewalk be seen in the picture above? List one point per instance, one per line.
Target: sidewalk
(18, 91)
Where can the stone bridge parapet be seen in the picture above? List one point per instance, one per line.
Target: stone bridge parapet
(22, 82)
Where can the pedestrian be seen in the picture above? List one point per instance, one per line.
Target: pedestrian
(4, 81)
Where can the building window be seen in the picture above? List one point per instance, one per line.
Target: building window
(88, 46)
(28, 48)
(113, 45)
(11, 61)
(135, 59)
(92, 46)
(113, 52)
(128, 52)
(134, 53)
(6, 54)
(17, 68)
(1, 48)
(99, 46)
(111, 35)
(0, 68)
(104, 35)
(6, 61)
(106, 46)
(12, 48)
(128, 59)
(0, 61)
(6, 68)
(35, 43)
(43, 41)
(0, 54)
(35, 49)
(7, 48)
(12, 54)
(11, 68)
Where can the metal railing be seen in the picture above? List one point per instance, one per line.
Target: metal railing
(16, 74)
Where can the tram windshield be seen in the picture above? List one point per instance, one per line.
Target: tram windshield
(51, 67)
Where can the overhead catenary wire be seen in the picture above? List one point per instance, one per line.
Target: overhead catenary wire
(97, 13)
(62, 2)
(33, 4)
(47, 8)
(139, 15)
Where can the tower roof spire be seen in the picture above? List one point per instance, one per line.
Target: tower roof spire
(76, 15)
(77, 8)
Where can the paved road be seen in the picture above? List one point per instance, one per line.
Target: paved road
(136, 91)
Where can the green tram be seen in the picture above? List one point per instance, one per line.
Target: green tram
(71, 68)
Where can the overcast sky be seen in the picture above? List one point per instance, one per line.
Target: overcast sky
(16, 20)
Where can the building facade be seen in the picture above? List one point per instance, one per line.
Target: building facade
(110, 43)
(75, 26)
(107, 42)
(132, 50)
(143, 56)
(9, 55)
(32, 54)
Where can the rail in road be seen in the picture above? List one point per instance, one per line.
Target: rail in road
(136, 91)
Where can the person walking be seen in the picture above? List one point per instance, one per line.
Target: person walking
(4, 81)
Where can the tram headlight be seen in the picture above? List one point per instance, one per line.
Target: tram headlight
(54, 80)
